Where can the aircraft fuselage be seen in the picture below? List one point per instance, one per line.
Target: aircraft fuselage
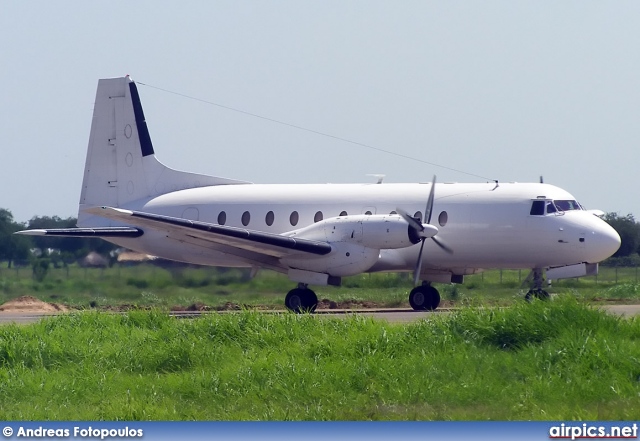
(487, 226)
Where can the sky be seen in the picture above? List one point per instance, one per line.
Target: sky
(468, 91)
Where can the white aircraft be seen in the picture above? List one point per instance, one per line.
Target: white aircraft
(319, 233)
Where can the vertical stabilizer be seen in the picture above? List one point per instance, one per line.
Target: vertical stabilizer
(121, 166)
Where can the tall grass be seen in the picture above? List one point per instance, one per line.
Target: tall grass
(148, 285)
(545, 360)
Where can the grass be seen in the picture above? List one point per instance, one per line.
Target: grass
(557, 360)
(152, 286)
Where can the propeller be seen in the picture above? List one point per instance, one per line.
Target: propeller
(424, 231)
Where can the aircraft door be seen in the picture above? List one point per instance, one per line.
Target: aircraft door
(191, 213)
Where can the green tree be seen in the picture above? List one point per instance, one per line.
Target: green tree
(12, 247)
(40, 268)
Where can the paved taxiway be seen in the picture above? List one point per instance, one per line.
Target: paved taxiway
(391, 315)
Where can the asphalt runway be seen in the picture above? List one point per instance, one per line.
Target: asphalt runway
(391, 315)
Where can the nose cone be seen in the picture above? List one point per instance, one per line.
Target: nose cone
(604, 241)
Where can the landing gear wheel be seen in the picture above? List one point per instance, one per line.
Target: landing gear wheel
(424, 298)
(540, 294)
(301, 300)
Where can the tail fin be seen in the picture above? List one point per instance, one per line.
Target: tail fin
(121, 165)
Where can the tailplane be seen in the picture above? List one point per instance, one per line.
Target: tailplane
(121, 165)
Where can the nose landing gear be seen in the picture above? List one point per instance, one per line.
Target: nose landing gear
(536, 291)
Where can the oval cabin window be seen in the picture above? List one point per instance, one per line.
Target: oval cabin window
(270, 218)
(222, 218)
(246, 218)
(443, 218)
(318, 217)
(294, 218)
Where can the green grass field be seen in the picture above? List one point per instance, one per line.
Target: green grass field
(151, 286)
(556, 360)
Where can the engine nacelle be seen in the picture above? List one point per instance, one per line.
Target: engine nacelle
(345, 259)
(388, 231)
(356, 242)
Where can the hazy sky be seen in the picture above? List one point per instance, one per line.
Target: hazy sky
(506, 90)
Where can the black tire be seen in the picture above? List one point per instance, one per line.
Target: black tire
(424, 298)
(542, 294)
(433, 298)
(539, 294)
(294, 300)
(310, 301)
(418, 299)
(301, 300)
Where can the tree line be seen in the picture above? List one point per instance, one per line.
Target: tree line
(21, 249)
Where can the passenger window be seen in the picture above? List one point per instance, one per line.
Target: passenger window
(537, 208)
(318, 217)
(343, 213)
(269, 218)
(222, 218)
(294, 218)
(418, 215)
(246, 217)
(443, 218)
(367, 213)
(393, 212)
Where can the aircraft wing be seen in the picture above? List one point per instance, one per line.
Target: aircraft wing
(262, 243)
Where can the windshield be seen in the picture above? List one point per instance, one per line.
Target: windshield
(567, 205)
(540, 207)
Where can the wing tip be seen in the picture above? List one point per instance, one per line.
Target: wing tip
(32, 232)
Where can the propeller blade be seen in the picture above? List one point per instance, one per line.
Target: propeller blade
(410, 220)
(425, 230)
(429, 209)
(443, 246)
(416, 273)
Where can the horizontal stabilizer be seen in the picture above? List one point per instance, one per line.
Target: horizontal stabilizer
(86, 232)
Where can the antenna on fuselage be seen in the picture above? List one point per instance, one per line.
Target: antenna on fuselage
(541, 180)
(379, 176)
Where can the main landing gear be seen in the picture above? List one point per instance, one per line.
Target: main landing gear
(301, 299)
(424, 297)
(536, 292)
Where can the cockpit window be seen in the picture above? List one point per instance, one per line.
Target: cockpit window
(550, 207)
(537, 208)
(567, 205)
